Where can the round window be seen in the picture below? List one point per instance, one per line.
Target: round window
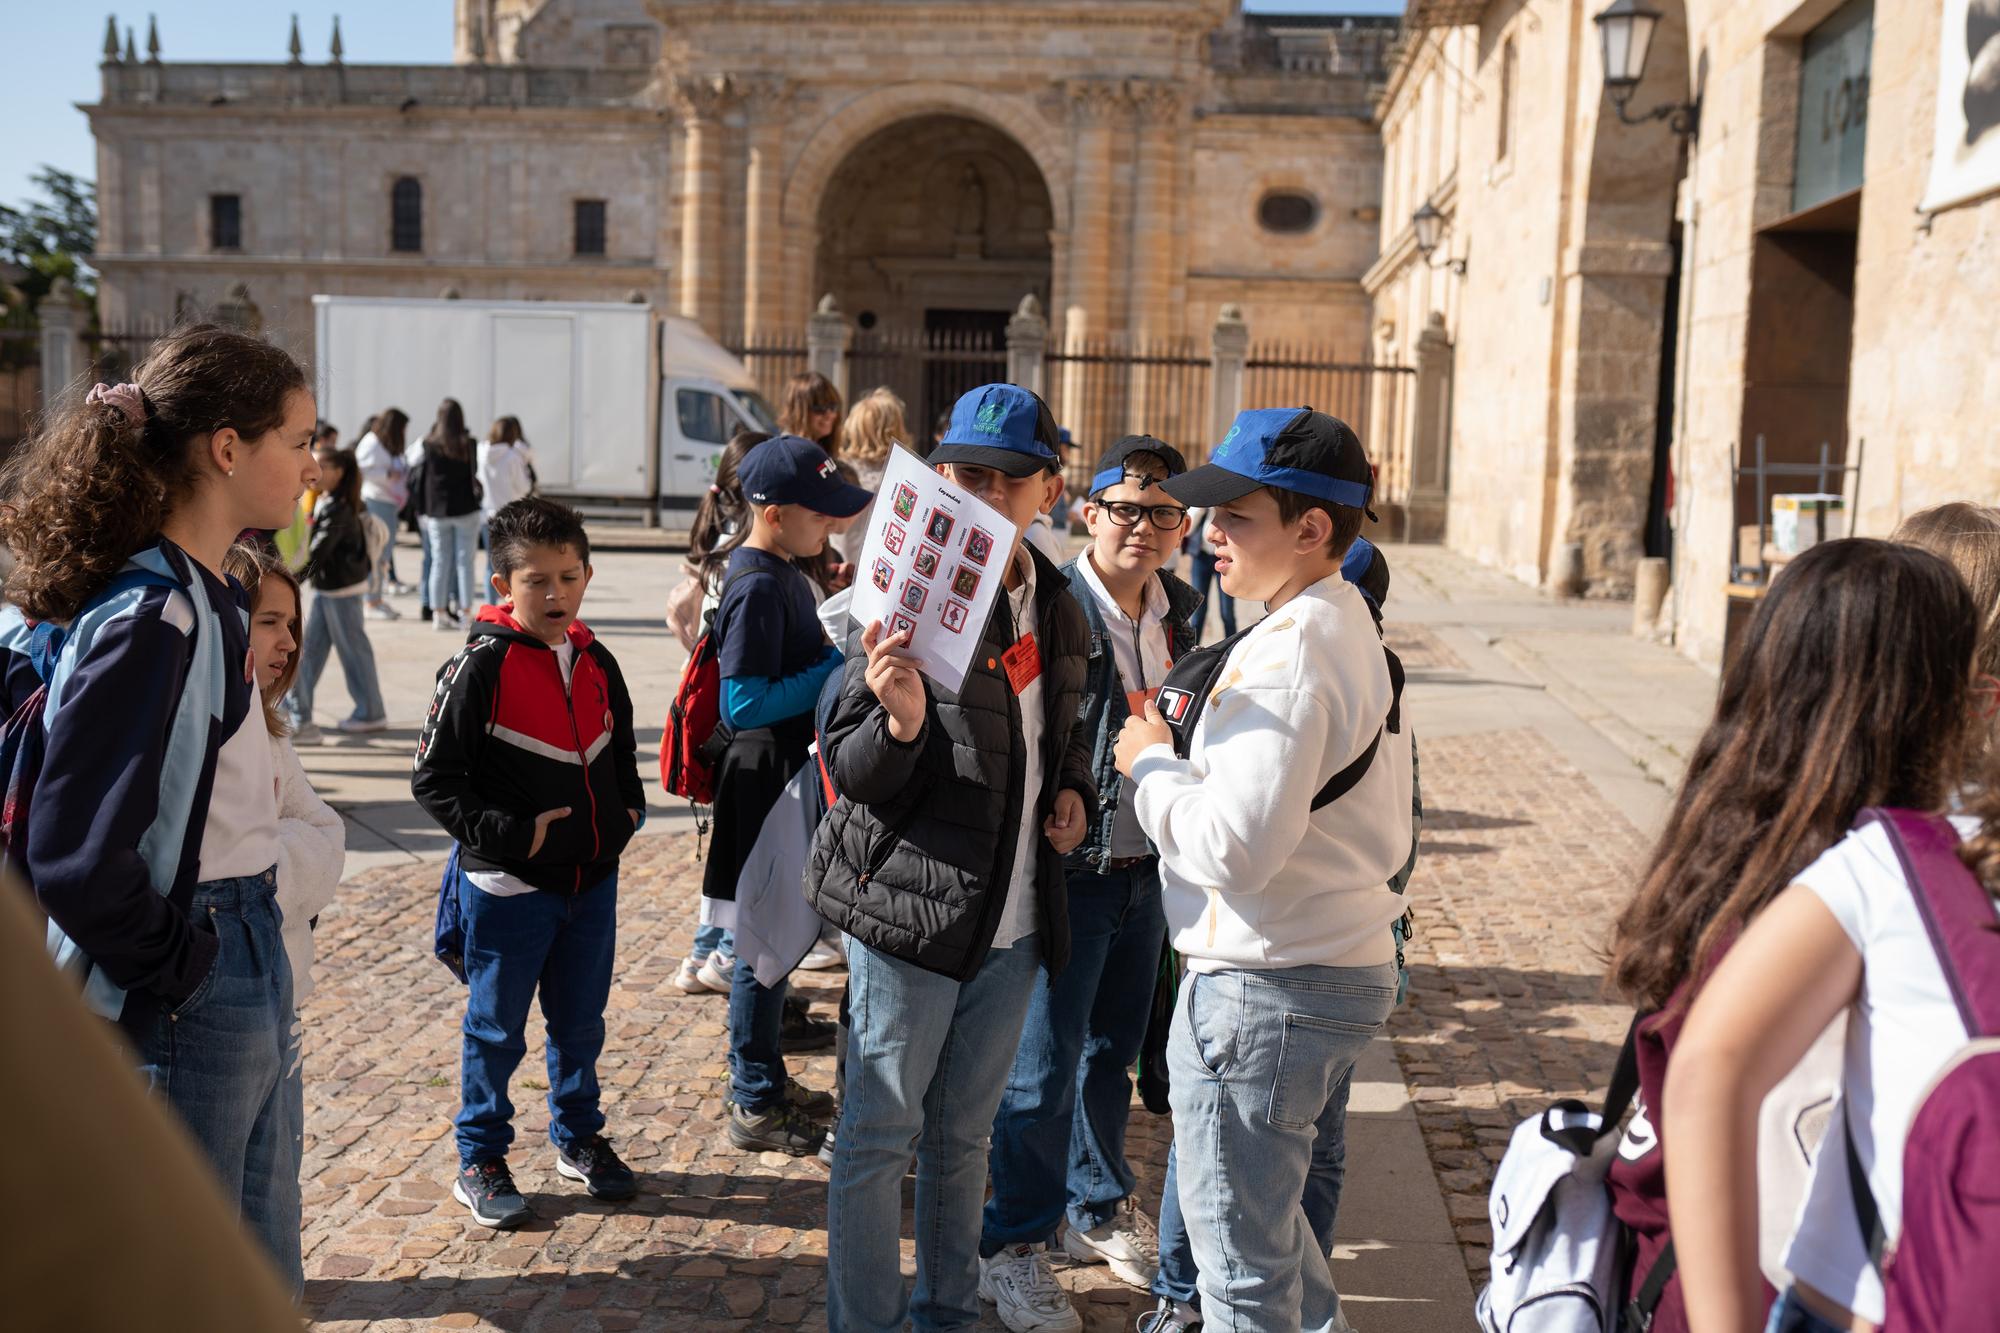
(1287, 212)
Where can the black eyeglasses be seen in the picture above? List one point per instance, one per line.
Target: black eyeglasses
(1126, 514)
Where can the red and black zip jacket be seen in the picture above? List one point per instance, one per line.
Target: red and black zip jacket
(504, 741)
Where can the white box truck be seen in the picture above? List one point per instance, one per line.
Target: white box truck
(625, 408)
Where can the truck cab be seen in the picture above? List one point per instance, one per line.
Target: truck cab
(706, 396)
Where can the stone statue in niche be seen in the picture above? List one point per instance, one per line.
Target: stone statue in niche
(969, 234)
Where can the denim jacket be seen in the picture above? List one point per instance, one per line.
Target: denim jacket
(1104, 710)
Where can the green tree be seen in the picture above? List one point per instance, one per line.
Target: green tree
(51, 236)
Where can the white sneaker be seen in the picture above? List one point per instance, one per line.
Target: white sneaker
(1025, 1294)
(307, 733)
(822, 957)
(687, 979)
(361, 726)
(1129, 1243)
(716, 972)
(382, 611)
(446, 623)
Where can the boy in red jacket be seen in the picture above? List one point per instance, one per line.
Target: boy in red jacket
(528, 759)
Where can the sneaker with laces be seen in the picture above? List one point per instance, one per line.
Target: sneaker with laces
(716, 972)
(1024, 1293)
(818, 1105)
(602, 1173)
(826, 1147)
(1170, 1316)
(780, 1128)
(688, 980)
(1129, 1243)
(487, 1190)
(801, 1031)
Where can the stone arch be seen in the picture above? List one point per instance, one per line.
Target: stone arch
(1615, 399)
(835, 139)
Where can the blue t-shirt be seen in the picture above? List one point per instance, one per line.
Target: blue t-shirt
(766, 624)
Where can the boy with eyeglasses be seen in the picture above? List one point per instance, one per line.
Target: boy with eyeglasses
(1059, 1139)
(942, 861)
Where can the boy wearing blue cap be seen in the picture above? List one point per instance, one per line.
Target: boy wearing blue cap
(773, 657)
(1278, 892)
(942, 861)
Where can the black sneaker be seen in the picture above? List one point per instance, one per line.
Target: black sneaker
(818, 1105)
(783, 1128)
(487, 1189)
(803, 1032)
(593, 1162)
(826, 1148)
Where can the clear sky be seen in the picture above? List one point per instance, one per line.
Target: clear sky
(53, 48)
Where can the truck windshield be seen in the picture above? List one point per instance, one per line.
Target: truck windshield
(757, 409)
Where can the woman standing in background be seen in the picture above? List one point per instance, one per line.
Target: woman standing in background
(384, 491)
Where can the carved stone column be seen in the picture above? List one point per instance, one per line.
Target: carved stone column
(768, 102)
(1095, 106)
(700, 101)
(1158, 104)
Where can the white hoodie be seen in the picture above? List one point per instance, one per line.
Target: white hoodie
(1253, 877)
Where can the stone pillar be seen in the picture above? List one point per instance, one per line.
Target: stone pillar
(768, 104)
(701, 102)
(1430, 434)
(63, 355)
(1229, 347)
(1094, 106)
(1158, 105)
(827, 337)
(1027, 345)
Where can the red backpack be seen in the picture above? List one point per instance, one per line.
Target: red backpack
(692, 742)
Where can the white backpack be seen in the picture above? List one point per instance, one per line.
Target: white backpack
(1559, 1252)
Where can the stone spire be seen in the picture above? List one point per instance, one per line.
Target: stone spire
(296, 47)
(476, 39)
(152, 40)
(337, 50)
(111, 40)
(131, 48)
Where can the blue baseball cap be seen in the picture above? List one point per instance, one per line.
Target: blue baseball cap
(789, 470)
(1004, 427)
(1287, 448)
(1365, 568)
(1111, 468)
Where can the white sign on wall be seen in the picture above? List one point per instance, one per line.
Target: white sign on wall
(1966, 160)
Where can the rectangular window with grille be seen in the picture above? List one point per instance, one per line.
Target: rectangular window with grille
(406, 216)
(225, 222)
(590, 226)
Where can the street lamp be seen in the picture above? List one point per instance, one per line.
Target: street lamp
(1428, 224)
(1625, 38)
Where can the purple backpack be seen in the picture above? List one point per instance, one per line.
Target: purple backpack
(1948, 1255)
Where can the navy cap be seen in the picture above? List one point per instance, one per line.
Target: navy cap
(1287, 448)
(789, 470)
(1111, 468)
(1001, 426)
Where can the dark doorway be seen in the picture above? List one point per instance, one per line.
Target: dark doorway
(1659, 538)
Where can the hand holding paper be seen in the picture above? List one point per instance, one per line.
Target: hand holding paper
(894, 679)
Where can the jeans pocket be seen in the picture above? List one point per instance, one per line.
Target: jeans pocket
(1215, 1013)
(206, 987)
(1312, 1051)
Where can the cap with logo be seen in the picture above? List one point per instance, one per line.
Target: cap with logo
(790, 470)
(1288, 449)
(1001, 426)
(1111, 468)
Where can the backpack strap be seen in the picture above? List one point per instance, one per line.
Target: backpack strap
(1347, 778)
(47, 639)
(1956, 908)
(1872, 1233)
(1580, 1138)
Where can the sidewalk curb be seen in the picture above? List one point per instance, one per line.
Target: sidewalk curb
(1656, 761)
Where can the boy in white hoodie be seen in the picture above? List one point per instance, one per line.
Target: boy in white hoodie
(1276, 891)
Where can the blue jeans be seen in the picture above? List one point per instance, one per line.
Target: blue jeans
(454, 546)
(756, 1032)
(1060, 1135)
(385, 568)
(226, 1061)
(1260, 1063)
(1201, 574)
(708, 939)
(927, 1060)
(1790, 1315)
(335, 624)
(1178, 1279)
(561, 945)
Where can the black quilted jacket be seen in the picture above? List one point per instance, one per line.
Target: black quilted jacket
(915, 857)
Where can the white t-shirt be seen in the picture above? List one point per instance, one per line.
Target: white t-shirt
(1139, 648)
(1902, 1029)
(240, 831)
(504, 475)
(1019, 920)
(498, 882)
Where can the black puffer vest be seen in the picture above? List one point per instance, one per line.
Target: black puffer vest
(915, 857)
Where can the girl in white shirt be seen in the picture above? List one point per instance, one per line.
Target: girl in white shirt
(506, 474)
(1845, 935)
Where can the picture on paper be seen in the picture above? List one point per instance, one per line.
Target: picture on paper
(964, 581)
(979, 546)
(938, 526)
(902, 624)
(883, 573)
(906, 502)
(926, 562)
(892, 538)
(914, 594)
(953, 616)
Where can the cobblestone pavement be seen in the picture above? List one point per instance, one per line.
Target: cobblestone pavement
(1523, 867)
(718, 1239)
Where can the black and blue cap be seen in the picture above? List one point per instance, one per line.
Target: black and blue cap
(1004, 427)
(1364, 567)
(1288, 449)
(791, 470)
(1111, 468)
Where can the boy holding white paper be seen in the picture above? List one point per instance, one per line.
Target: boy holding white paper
(942, 861)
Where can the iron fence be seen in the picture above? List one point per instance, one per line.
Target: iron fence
(1299, 375)
(771, 358)
(1103, 390)
(928, 369)
(115, 350)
